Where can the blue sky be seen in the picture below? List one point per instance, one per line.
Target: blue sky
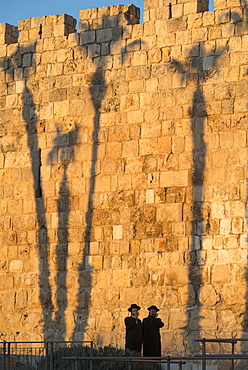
(12, 11)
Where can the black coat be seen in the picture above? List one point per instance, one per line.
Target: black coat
(133, 334)
(151, 337)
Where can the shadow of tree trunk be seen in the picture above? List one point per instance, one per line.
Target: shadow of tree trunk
(31, 119)
(66, 155)
(197, 231)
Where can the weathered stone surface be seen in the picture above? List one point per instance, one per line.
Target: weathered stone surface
(123, 170)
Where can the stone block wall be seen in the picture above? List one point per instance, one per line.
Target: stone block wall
(123, 173)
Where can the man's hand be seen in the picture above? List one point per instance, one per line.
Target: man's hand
(135, 316)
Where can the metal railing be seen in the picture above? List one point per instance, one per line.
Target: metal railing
(40, 355)
(50, 355)
(169, 360)
(232, 341)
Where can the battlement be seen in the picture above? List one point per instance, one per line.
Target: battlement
(32, 29)
(166, 9)
(108, 17)
(8, 33)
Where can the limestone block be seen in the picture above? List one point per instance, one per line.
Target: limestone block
(96, 262)
(8, 33)
(149, 130)
(135, 117)
(137, 86)
(21, 299)
(221, 274)
(177, 320)
(139, 181)
(176, 275)
(150, 196)
(93, 248)
(178, 229)
(232, 293)
(121, 278)
(104, 35)
(140, 278)
(174, 178)
(87, 37)
(169, 212)
(117, 232)
(235, 209)
(104, 321)
(237, 226)
(154, 56)
(139, 58)
(208, 319)
(113, 150)
(208, 296)
(225, 226)
(20, 86)
(16, 266)
(134, 165)
(1, 160)
(7, 282)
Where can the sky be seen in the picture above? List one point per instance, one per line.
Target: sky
(12, 11)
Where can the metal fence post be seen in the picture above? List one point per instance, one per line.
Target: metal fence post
(130, 365)
(4, 352)
(168, 362)
(91, 355)
(76, 364)
(8, 361)
(51, 355)
(47, 356)
(233, 354)
(203, 353)
(180, 365)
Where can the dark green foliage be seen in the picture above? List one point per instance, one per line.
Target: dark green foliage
(79, 351)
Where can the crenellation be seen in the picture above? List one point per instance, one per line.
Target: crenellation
(8, 34)
(159, 9)
(34, 29)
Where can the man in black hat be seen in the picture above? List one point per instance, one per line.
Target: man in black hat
(151, 335)
(133, 329)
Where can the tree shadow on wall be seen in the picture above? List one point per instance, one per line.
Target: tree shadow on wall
(201, 223)
(97, 89)
(54, 325)
(193, 71)
(12, 66)
(241, 24)
(54, 317)
(66, 155)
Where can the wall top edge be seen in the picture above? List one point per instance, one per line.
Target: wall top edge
(167, 17)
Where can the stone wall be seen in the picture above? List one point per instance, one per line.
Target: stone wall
(123, 172)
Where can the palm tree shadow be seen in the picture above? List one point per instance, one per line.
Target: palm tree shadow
(201, 223)
(32, 128)
(66, 155)
(242, 22)
(97, 90)
(200, 220)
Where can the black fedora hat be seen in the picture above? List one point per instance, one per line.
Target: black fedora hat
(133, 306)
(153, 308)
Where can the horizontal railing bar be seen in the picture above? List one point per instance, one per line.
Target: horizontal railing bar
(160, 359)
(224, 340)
(227, 356)
(121, 358)
(64, 341)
